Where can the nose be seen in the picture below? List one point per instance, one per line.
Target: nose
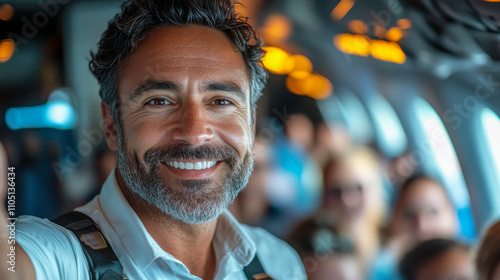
(350, 198)
(422, 227)
(193, 127)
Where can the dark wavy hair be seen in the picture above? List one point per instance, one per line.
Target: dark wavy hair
(138, 17)
(488, 253)
(426, 252)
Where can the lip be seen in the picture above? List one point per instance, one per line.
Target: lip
(192, 174)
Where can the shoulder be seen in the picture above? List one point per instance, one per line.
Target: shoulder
(277, 257)
(54, 251)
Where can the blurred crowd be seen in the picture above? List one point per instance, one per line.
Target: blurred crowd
(351, 214)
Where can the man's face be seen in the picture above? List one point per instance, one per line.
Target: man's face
(186, 119)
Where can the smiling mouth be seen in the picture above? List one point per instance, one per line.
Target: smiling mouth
(190, 165)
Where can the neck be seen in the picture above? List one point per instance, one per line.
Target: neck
(189, 243)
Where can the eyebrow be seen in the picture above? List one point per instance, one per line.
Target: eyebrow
(229, 87)
(153, 85)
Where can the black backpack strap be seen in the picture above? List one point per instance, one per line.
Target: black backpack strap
(102, 261)
(255, 271)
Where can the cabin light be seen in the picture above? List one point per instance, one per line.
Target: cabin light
(301, 63)
(363, 46)
(312, 85)
(7, 49)
(357, 27)
(6, 12)
(394, 34)
(404, 23)
(379, 31)
(387, 51)
(277, 61)
(342, 8)
(277, 28)
(56, 113)
(352, 44)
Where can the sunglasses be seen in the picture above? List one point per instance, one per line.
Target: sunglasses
(340, 189)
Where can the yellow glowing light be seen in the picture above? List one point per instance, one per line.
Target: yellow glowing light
(299, 74)
(352, 44)
(404, 23)
(7, 48)
(6, 12)
(313, 85)
(276, 28)
(387, 51)
(342, 8)
(296, 85)
(322, 86)
(394, 34)
(494, 1)
(277, 61)
(301, 63)
(357, 27)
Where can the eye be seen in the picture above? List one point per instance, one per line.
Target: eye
(158, 102)
(221, 102)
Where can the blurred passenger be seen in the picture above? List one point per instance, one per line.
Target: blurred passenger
(295, 183)
(331, 139)
(326, 254)
(488, 254)
(300, 131)
(252, 204)
(353, 200)
(423, 211)
(438, 259)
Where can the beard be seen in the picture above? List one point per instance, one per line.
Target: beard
(193, 201)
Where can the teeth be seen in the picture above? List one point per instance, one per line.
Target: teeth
(198, 165)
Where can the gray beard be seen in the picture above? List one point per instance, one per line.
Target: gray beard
(191, 201)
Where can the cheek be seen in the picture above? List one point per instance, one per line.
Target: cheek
(234, 130)
(141, 136)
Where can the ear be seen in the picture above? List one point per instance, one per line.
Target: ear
(109, 127)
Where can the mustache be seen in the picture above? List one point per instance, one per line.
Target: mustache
(186, 152)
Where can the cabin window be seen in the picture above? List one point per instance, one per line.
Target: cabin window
(442, 162)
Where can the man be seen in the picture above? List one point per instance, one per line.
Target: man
(179, 82)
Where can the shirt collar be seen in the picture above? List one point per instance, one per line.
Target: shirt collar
(230, 239)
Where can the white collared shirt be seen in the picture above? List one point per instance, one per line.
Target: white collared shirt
(57, 254)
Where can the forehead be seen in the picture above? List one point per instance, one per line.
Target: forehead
(424, 188)
(184, 54)
(341, 171)
(424, 193)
